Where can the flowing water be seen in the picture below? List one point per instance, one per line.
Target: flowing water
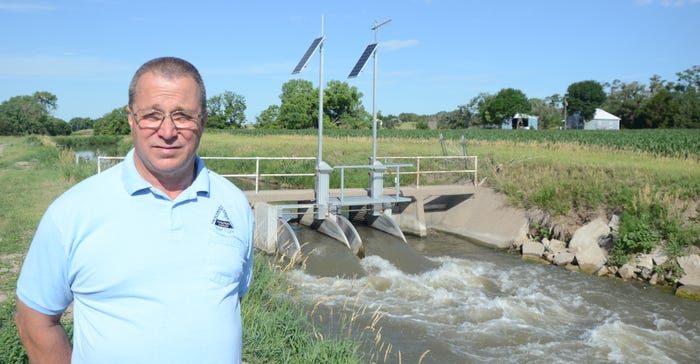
(480, 305)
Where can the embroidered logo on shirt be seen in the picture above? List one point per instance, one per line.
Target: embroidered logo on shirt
(221, 219)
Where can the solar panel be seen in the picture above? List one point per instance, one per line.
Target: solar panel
(362, 61)
(307, 55)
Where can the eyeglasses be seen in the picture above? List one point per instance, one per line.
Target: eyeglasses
(153, 119)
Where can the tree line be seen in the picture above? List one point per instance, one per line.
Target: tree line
(660, 104)
(32, 114)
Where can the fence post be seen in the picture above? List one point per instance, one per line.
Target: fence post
(418, 172)
(342, 184)
(257, 173)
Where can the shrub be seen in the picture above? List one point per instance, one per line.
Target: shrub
(637, 233)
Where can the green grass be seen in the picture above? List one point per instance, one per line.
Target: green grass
(276, 330)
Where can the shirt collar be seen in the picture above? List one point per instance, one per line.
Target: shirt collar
(133, 182)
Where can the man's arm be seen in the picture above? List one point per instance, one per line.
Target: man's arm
(42, 335)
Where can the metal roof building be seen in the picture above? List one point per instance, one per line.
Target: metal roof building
(602, 120)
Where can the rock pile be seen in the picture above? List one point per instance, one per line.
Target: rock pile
(587, 251)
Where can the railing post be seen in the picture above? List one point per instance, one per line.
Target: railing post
(342, 184)
(476, 180)
(397, 182)
(417, 172)
(257, 173)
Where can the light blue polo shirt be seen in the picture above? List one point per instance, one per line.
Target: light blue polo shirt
(153, 280)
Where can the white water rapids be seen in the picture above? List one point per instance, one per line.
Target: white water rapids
(487, 306)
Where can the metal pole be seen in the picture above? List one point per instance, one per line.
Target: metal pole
(374, 105)
(374, 93)
(319, 156)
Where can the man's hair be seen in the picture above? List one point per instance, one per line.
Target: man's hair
(169, 68)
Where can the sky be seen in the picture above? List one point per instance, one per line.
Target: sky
(433, 55)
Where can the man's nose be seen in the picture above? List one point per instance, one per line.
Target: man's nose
(167, 128)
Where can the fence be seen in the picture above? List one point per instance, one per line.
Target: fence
(424, 166)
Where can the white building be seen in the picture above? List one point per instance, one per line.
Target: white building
(602, 120)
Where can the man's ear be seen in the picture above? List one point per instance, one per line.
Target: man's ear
(129, 117)
(205, 114)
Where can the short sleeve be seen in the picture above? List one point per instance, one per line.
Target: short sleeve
(43, 284)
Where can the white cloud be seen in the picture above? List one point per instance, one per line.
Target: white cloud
(668, 3)
(25, 8)
(58, 66)
(392, 45)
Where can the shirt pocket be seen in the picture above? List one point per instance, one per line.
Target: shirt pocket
(226, 257)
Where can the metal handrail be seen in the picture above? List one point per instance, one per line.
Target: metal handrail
(418, 171)
(258, 176)
(397, 183)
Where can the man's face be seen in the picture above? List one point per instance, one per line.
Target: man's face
(166, 152)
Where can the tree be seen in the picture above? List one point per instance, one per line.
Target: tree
(113, 123)
(671, 109)
(474, 107)
(409, 117)
(459, 118)
(79, 123)
(27, 114)
(668, 104)
(55, 126)
(625, 100)
(343, 107)
(46, 100)
(584, 97)
(504, 106)
(299, 105)
(548, 114)
(690, 78)
(226, 110)
(268, 118)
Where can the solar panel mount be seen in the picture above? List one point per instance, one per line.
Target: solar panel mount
(363, 60)
(305, 59)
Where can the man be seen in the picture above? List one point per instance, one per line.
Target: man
(155, 253)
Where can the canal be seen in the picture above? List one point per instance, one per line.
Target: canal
(480, 305)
